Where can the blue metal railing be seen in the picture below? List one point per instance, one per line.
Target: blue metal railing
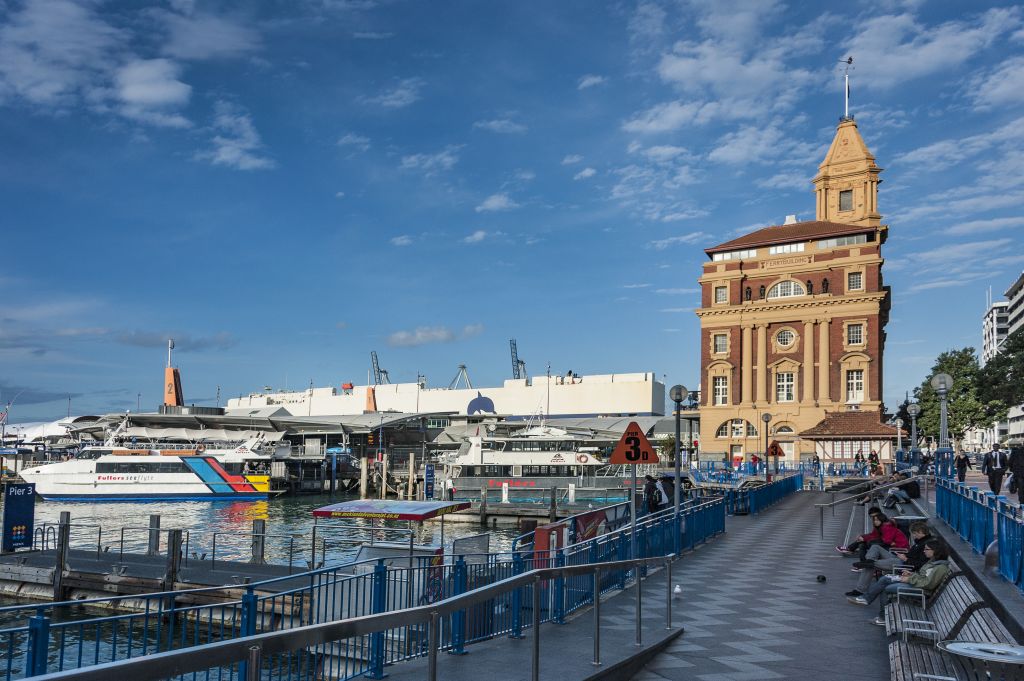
(976, 516)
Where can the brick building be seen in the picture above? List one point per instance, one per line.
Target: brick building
(793, 318)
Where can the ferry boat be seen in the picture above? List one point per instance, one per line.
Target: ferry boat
(166, 472)
(539, 456)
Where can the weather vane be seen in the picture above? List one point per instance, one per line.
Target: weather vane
(849, 65)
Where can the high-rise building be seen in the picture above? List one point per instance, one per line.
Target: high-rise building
(793, 324)
(1014, 323)
(994, 329)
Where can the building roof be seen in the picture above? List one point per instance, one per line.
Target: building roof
(797, 231)
(850, 424)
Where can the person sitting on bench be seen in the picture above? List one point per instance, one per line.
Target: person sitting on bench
(913, 558)
(885, 533)
(928, 578)
(902, 494)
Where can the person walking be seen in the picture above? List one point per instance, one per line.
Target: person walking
(1017, 469)
(994, 466)
(650, 494)
(962, 462)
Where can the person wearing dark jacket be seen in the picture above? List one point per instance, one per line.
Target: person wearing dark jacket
(994, 466)
(1017, 469)
(962, 462)
(913, 557)
(885, 533)
(651, 496)
(928, 578)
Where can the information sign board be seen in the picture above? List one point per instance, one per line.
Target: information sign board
(634, 447)
(19, 516)
(428, 481)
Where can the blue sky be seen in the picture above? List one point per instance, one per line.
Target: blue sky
(284, 187)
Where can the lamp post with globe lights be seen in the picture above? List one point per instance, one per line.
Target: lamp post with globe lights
(943, 383)
(677, 394)
(899, 438)
(915, 454)
(767, 418)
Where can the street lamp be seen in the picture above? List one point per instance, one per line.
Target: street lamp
(677, 394)
(766, 417)
(899, 436)
(942, 383)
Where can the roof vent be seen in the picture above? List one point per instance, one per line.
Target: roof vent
(790, 220)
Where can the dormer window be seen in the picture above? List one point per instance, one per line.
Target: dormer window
(846, 200)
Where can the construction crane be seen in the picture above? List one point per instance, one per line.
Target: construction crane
(518, 365)
(380, 376)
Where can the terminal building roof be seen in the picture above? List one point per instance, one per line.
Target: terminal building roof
(797, 231)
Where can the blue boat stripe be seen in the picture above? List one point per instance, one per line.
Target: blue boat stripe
(209, 476)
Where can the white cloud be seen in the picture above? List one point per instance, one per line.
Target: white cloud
(571, 159)
(422, 335)
(496, 202)
(402, 240)
(653, 191)
(56, 53)
(525, 175)
(794, 180)
(1004, 85)
(635, 285)
(691, 238)
(432, 163)
(584, 174)
(354, 141)
(590, 80)
(663, 153)
(978, 226)
(893, 49)
(406, 92)
(471, 330)
(476, 237)
(669, 116)
(339, 195)
(206, 36)
(676, 309)
(237, 144)
(765, 144)
(149, 90)
(502, 126)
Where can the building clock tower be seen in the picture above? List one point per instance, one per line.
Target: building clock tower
(793, 324)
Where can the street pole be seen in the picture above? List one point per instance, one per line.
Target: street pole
(766, 418)
(942, 383)
(677, 393)
(915, 454)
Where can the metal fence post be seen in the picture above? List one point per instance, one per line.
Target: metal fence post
(247, 625)
(639, 609)
(518, 567)
(254, 664)
(38, 644)
(558, 616)
(597, 617)
(433, 642)
(380, 604)
(535, 663)
(459, 617)
(668, 592)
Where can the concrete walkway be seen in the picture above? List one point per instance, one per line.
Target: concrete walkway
(753, 608)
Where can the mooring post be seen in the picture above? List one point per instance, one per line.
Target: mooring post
(411, 486)
(384, 476)
(553, 511)
(259, 540)
(173, 559)
(483, 506)
(154, 535)
(60, 564)
(364, 464)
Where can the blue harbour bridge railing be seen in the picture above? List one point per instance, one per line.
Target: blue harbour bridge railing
(46, 638)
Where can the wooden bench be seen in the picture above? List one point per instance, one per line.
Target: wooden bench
(911, 661)
(934, 616)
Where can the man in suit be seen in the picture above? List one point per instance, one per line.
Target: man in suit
(994, 466)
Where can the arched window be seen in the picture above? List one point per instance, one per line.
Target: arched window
(736, 428)
(760, 293)
(810, 287)
(784, 430)
(746, 293)
(824, 285)
(786, 289)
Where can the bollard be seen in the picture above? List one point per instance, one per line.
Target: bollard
(668, 592)
(259, 541)
(364, 464)
(483, 506)
(60, 564)
(253, 664)
(433, 639)
(154, 535)
(250, 604)
(38, 644)
(459, 587)
(379, 604)
(384, 476)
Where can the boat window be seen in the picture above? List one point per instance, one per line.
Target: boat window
(233, 468)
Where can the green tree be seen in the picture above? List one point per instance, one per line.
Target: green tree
(1002, 378)
(965, 409)
(667, 445)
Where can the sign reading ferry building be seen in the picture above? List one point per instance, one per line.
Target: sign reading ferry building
(793, 322)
